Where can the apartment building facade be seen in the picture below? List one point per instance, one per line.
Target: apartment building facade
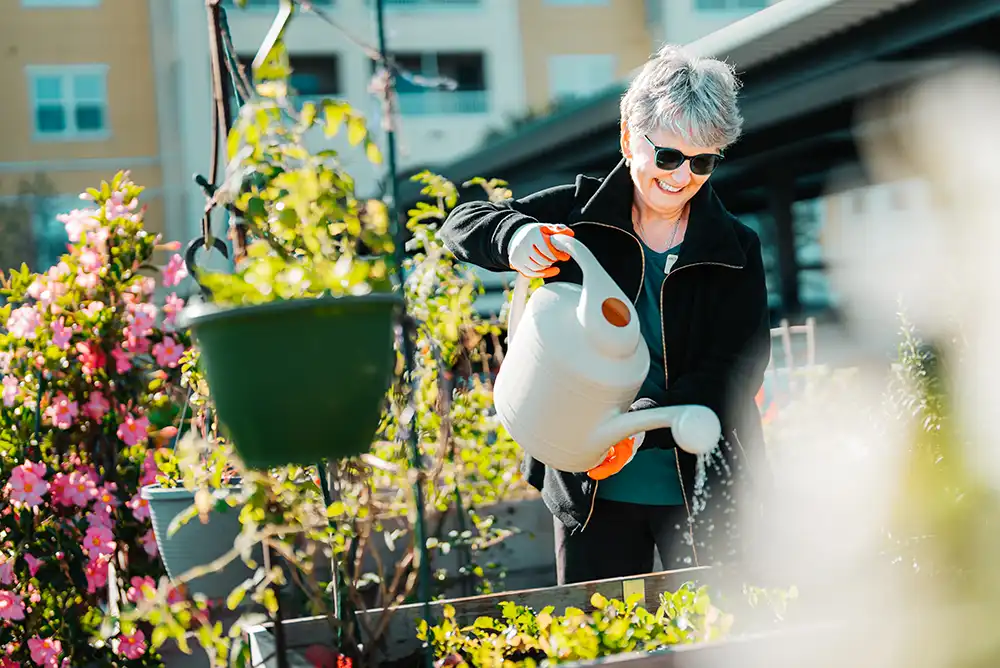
(78, 106)
(577, 48)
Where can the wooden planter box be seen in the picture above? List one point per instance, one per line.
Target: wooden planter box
(400, 641)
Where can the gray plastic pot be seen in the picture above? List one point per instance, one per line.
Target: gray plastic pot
(197, 544)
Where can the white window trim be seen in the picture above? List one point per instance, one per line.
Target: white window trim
(60, 3)
(67, 71)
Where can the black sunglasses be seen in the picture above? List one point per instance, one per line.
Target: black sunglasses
(670, 158)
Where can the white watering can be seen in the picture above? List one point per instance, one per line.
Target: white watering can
(574, 363)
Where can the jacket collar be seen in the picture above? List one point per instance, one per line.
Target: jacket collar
(711, 234)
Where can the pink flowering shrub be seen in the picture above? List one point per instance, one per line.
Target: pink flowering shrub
(90, 368)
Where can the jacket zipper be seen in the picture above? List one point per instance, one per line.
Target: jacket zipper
(666, 382)
(638, 291)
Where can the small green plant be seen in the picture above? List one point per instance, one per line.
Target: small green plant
(520, 636)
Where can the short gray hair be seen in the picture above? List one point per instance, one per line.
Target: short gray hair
(691, 96)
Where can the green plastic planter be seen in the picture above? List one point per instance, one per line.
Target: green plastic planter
(298, 381)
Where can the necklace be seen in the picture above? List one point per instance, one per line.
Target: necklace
(673, 235)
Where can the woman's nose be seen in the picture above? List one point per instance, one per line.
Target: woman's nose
(682, 175)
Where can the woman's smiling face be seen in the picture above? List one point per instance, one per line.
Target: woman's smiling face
(662, 191)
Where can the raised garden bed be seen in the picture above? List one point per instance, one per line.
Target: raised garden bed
(400, 646)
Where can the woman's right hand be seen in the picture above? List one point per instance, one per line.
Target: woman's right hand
(532, 253)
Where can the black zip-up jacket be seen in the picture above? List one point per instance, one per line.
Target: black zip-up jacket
(715, 328)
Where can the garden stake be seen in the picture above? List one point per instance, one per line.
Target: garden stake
(409, 331)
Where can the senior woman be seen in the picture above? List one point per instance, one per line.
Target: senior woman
(697, 279)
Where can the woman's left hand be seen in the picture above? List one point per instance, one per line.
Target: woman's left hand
(620, 454)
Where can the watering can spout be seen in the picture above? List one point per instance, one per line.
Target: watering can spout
(608, 319)
(696, 429)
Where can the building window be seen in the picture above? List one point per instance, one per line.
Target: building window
(580, 75)
(313, 75)
(69, 101)
(60, 3)
(467, 70)
(729, 5)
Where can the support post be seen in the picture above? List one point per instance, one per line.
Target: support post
(409, 331)
(781, 198)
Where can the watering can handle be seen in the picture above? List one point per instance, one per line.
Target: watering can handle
(519, 300)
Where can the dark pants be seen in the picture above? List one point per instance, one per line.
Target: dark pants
(620, 540)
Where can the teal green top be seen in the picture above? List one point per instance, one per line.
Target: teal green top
(651, 478)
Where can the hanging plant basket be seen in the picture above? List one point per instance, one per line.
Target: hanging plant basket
(298, 381)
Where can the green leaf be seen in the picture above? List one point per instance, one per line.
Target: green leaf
(334, 113)
(356, 130)
(373, 153)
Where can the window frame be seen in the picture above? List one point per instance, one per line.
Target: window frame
(67, 73)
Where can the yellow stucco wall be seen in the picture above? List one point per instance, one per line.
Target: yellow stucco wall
(617, 27)
(115, 33)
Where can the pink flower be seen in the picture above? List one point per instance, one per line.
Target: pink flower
(47, 288)
(131, 646)
(100, 516)
(91, 357)
(134, 342)
(24, 322)
(11, 606)
(106, 496)
(141, 588)
(139, 507)
(61, 334)
(6, 569)
(34, 563)
(122, 363)
(5, 358)
(172, 308)
(27, 486)
(175, 271)
(79, 488)
(9, 663)
(116, 207)
(168, 353)
(134, 429)
(78, 222)
(93, 309)
(99, 542)
(45, 652)
(142, 318)
(148, 542)
(87, 281)
(97, 406)
(90, 260)
(149, 469)
(143, 285)
(96, 572)
(62, 412)
(9, 395)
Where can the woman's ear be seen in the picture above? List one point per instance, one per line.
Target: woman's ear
(626, 141)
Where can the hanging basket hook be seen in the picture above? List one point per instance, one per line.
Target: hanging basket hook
(274, 34)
